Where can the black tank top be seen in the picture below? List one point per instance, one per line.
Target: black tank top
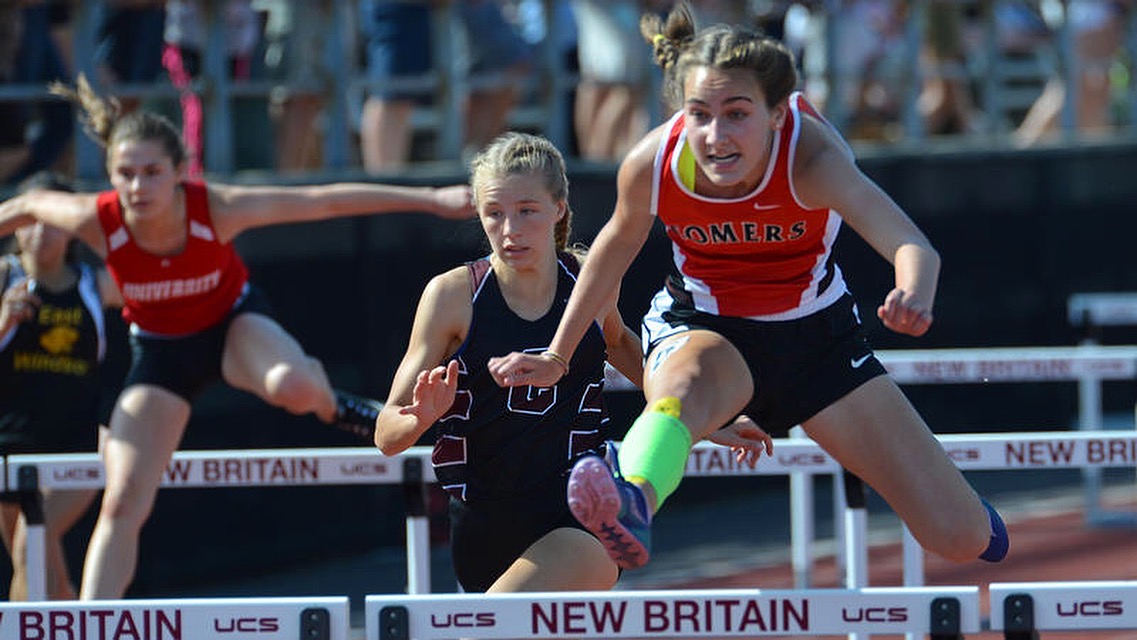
(503, 443)
(49, 389)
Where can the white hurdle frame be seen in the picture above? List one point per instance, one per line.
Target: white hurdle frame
(1020, 452)
(1023, 608)
(27, 474)
(1108, 309)
(315, 618)
(986, 451)
(365, 465)
(1088, 364)
(1091, 312)
(328, 466)
(1023, 451)
(944, 612)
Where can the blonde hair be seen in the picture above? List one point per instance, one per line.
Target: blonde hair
(678, 46)
(105, 123)
(515, 153)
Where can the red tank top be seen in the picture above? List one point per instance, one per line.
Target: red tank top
(179, 294)
(763, 255)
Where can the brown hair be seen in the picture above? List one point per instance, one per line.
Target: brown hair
(678, 46)
(514, 153)
(107, 125)
(52, 181)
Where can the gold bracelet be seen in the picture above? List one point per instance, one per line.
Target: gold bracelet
(557, 358)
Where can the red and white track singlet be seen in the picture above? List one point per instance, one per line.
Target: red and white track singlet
(179, 294)
(764, 255)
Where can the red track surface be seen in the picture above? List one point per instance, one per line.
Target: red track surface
(1049, 546)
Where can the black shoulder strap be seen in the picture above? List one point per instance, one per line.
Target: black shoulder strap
(571, 261)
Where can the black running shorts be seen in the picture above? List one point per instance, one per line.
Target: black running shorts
(487, 537)
(186, 365)
(799, 366)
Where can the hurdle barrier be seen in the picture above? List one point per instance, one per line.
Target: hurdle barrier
(1022, 609)
(1018, 451)
(970, 452)
(27, 474)
(798, 457)
(942, 612)
(1019, 610)
(1088, 365)
(315, 618)
(1091, 312)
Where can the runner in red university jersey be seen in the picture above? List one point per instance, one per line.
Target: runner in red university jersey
(156, 288)
(194, 316)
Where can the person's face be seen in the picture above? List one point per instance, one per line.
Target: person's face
(47, 245)
(144, 176)
(729, 128)
(519, 218)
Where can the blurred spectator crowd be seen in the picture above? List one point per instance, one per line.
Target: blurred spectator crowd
(377, 85)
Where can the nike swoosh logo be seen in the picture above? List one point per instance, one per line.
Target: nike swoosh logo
(767, 207)
(857, 362)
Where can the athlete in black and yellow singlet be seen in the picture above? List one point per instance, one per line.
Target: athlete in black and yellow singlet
(53, 357)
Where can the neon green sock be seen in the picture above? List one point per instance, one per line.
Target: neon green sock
(656, 448)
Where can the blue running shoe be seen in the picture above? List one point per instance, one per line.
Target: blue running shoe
(613, 509)
(1000, 541)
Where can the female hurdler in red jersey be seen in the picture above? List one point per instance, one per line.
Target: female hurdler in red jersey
(752, 186)
(194, 317)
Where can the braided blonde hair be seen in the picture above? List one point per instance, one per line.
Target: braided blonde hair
(515, 153)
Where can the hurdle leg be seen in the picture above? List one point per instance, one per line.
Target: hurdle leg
(946, 622)
(801, 522)
(856, 536)
(840, 525)
(913, 561)
(418, 527)
(31, 503)
(1018, 617)
(1090, 419)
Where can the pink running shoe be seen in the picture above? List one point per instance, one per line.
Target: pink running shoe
(613, 509)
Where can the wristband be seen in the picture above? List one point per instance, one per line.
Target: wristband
(557, 358)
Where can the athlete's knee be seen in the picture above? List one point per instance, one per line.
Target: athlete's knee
(700, 413)
(126, 506)
(294, 388)
(705, 408)
(19, 554)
